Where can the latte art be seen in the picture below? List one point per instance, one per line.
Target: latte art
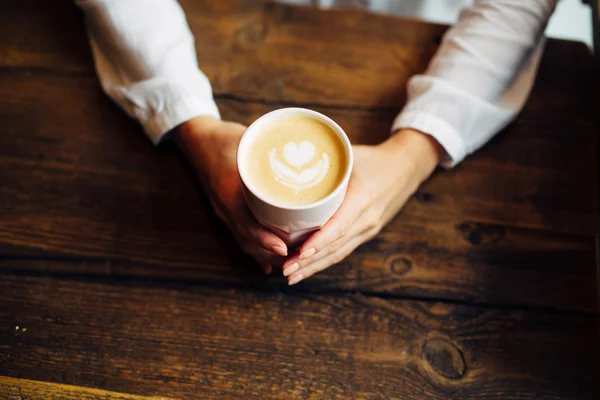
(298, 156)
(296, 160)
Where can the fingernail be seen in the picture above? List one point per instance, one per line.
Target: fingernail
(281, 251)
(291, 269)
(307, 253)
(295, 280)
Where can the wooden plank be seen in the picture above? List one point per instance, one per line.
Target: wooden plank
(511, 267)
(25, 389)
(192, 342)
(318, 59)
(237, 42)
(79, 182)
(561, 98)
(43, 36)
(527, 174)
(100, 194)
(558, 115)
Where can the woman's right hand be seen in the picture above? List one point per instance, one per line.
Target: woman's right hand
(211, 146)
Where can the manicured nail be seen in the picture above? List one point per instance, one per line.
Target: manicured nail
(279, 250)
(295, 280)
(291, 269)
(288, 263)
(307, 253)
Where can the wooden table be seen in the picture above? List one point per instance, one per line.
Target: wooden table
(118, 282)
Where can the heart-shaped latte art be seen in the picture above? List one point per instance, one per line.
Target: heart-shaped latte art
(295, 179)
(299, 155)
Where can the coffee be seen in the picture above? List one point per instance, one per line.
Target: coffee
(295, 160)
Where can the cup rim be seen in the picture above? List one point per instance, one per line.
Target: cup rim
(251, 132)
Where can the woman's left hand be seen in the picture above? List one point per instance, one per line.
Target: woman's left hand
(383, 178)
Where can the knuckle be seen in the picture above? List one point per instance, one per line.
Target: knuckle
(367, 200)
(252, 234)
(344, 229)
(373, 221)
(338, 258)
(334, 247)
(371, 234)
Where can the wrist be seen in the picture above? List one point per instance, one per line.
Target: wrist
(193, 138)
(420, 151)
(195, 129)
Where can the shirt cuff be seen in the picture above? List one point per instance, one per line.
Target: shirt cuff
(177, 113)
(437, 128)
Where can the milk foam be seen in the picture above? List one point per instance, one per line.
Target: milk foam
(298, 156)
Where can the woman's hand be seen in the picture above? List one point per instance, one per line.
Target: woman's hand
(383, 178)
(211, 147)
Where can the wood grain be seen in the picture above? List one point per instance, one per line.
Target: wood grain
(119, 277)
(43, 36)
(318, 61)
(81, 183)
(556, 127)
(195, 342)
(25, 389)
(237, 42)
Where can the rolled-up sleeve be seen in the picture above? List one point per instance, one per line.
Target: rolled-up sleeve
(145, 59)
(480, 77)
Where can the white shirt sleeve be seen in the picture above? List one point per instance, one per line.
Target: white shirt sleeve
(146, 61)
(480, 76)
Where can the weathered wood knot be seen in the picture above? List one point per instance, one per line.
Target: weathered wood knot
(478, 234)
(399, 265)
(445, 358)
(251, 35)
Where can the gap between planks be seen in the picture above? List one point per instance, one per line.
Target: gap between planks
(25, 389)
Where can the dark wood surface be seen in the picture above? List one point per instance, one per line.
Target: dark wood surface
(484, 286)
(232, 343)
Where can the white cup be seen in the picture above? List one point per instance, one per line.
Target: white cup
(292, 223)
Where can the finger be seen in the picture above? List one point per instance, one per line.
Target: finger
(330, 249)
(326, 262)
(265, 259)
(358, 229)
(268, 240)
(337, 227)
(295, 263)
(267, 268)
(247, 224)
(291, 265)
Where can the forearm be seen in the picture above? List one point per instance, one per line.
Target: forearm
(146, 61)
